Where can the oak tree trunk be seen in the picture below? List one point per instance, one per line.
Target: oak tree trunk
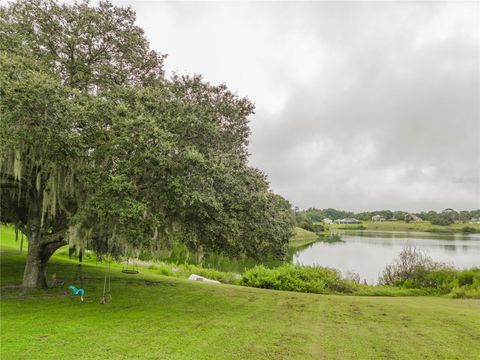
(35, 275)
(40, 248)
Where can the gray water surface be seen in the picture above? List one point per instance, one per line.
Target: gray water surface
(367, 253)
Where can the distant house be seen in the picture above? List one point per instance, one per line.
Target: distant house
(447, 210)
(412, 217)
(347, 221)
(475, 221)
(378, 218)
(327, 221)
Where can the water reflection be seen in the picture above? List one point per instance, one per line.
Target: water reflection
(450, 247)
(367, 253)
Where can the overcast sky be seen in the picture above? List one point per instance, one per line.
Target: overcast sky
(359, 105)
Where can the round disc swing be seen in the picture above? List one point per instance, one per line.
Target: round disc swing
(130, 269)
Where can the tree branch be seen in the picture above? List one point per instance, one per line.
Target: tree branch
(50, 248)
(14, 184)
(54, 238)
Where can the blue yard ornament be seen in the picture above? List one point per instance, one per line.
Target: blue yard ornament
(77, 291)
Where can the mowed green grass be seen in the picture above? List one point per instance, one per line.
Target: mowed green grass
(156, 317)
(411, 226)
(302, 237)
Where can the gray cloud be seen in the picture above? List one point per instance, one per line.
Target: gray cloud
(360, 105)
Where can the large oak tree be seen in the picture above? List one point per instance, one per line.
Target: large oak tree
(99, 149)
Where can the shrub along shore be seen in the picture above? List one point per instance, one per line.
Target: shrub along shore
(320, 280)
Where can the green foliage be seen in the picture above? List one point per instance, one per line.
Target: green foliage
(442, 220)
(468, 277)
(310, 226)
(99, 148)
(89, 48)
(469, 229)
(316, 215)
(467, 284)
(416, 226)
(289, 277)
(306, 225)
(414, 270)
(39, 151)
(387, 214)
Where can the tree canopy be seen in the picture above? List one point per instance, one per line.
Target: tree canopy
(100, 149)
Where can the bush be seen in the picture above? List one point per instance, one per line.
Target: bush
(414, 270)
(466, 278)
(458, 293)
(306, 225)
(310, 226)
(165, 270)
(469, 229)
(311, 279)
(440, 279)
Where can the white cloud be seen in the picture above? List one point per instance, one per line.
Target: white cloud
(360, 105)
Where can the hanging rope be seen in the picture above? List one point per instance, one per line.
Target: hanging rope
(21, 244)
(106, 296)
(79, 273)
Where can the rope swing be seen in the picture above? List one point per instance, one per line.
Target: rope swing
(106, 296)
(79, 272)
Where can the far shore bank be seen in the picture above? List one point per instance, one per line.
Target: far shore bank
(401, 226)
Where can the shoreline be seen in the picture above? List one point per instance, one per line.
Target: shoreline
(402, 227)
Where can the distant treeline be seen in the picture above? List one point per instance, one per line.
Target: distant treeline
(448, 215)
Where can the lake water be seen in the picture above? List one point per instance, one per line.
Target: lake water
(367, 253)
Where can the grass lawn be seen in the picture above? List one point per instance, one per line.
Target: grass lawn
(156, 317)
(412, 226)
(302, 237)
